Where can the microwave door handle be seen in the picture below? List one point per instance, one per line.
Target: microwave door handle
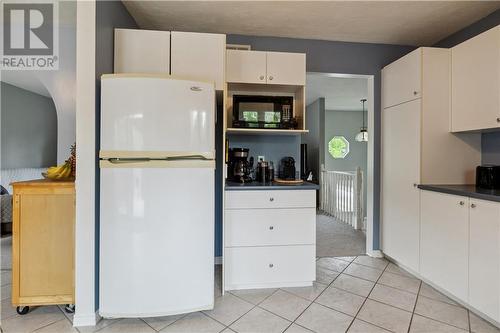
(186, 157)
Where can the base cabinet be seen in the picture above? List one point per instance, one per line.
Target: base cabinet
(484, 257)
(443, 241)
(269, 239)
(43, 243)
(460, 249)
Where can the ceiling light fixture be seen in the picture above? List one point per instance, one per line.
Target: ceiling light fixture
(362, 136)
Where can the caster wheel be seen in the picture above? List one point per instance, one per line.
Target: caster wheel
(22, 310)
(69, 308)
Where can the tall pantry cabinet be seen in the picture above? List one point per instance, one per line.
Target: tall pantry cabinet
(417, 146)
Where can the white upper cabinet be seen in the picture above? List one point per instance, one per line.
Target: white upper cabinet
(484, 257)
(476, 83)
(402, 79)
(246, 66)
(286, 68)
(142, 51)
(444, 235)
(197, 56)
(266, 67)
(200, 56)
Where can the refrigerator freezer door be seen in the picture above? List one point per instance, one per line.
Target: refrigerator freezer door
(156, 113)
(157, 241)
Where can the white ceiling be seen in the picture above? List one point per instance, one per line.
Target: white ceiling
(418, 23)
(341, 94)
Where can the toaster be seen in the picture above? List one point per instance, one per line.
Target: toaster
(488, 176)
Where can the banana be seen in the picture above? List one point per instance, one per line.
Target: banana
(59, 172)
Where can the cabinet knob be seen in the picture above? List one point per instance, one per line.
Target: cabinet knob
(271, 199)
(472, 205)
(271, 228)
(415, 184)
(461, 203)
(271, 77)
(415, 93)
(261, 77)
(498, 120)
(271, 265)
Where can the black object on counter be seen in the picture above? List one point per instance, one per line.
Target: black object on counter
(238, 167)
(262, 172)
(303, 161)
(488, 176)
(287, 168)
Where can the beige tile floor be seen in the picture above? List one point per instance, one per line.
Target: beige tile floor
(354, 294)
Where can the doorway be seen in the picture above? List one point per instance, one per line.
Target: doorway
(340, 157)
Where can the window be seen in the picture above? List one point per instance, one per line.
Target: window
(338, 147)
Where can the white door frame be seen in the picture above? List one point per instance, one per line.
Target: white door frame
(85, 312)
(370, 164)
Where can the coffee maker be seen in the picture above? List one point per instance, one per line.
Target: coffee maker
(287, 168)
(238, 169)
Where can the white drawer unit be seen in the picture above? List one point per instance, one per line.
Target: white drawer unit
(262, 227)
(267, 267)
(271, 199)
(269, 238)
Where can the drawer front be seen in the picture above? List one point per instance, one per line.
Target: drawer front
(261, 227)
(271, 199)
(258, 266)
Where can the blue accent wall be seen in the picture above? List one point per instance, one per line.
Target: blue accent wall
(345, 58)
(490, 142)
(109, 15)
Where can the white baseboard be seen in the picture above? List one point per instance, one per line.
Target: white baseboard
(218, 260)
(375, 254)
(86, 319)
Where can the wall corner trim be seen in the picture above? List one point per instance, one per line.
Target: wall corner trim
(86, 319)
(375, 254)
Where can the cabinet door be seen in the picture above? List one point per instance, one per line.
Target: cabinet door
(142, 51)
(44, 228)
(402, 80)
(484, 257)
(444, 241)
(476, 82)
(400, 171)
(245, 66)
(199, 56)
(286, 68)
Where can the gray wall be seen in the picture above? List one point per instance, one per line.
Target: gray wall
(109, 15)
(347, 124)
(273, 147)
(314, 113)
(490, 144)
(29, 129)
(346, 58)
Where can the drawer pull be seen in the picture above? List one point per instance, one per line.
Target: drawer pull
(271, 199)
(271, 228)
(461, 203)
(271, 265)
(473, 205)
(261, 77)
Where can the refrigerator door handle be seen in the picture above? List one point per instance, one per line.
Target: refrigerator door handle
(188, 157)
(116, 160)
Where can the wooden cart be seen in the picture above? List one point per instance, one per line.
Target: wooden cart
(43, 243)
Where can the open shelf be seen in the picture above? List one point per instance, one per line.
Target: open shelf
(265, 131)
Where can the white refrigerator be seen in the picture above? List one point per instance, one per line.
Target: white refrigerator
(157, 196)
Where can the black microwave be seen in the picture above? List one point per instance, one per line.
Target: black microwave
(251, 111)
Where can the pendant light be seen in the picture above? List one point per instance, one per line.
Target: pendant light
(362, 136)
